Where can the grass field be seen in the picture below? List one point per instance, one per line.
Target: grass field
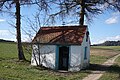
(115, 48)
(12, 69)
(99, 54)
(8, 50)
(113, 72)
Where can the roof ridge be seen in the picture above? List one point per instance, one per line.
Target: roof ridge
(64, 26)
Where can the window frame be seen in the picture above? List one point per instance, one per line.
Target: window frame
(85, 53)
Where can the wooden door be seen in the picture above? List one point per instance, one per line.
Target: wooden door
(63, 58)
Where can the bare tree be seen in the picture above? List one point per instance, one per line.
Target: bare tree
(34, 25)
(81, 8)
(20, 49)
(8, 4)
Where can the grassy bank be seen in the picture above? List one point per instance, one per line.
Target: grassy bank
(8, 50)
(12, 69)
(99, 54)
(113, 72)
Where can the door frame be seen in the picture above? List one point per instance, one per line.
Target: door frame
(57, 56)
(63, 58)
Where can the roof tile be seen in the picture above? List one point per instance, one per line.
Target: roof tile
(60, 35)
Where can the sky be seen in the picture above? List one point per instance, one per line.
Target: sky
(103, 28)
(106, 27)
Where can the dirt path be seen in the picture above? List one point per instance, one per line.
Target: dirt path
(95, 75)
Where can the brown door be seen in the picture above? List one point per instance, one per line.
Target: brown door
(63, 58)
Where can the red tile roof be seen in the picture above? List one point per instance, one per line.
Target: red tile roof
(60, 35)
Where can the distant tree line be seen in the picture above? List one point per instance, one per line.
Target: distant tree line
(2, 40)
(109, 43)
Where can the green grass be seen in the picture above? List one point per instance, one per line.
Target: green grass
(8, 50)
(100, 54)
(113, 73)
(97, 59)
(12, 69)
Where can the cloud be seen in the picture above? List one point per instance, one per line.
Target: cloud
(113, 19)
(116, 13)
(10, 35)
(113, 38)
(4, 32)
(7, 35)
(2, 20)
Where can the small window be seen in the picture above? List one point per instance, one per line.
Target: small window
(85, 53)
(87, 36)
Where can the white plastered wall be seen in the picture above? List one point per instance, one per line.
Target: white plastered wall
(47, 55)
(85, 62)
(75, 58)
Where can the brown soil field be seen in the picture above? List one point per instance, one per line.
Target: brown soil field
(103, 52)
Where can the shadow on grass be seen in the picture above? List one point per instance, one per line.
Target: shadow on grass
(62, 73)
(110, 69)
(98, 67)
(114, 68)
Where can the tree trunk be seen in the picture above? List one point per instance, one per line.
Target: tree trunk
(19, 44)
(82, 12)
